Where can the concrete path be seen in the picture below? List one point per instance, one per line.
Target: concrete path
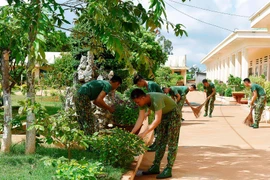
(221, 147)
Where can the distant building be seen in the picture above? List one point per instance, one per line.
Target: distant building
(178, 65)
(199, 76)
(50, 59)
(244, 52)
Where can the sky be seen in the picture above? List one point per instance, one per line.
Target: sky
(202, 38)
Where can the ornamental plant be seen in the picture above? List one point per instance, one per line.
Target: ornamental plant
(74, 169)
(126, 112)
(117, 147)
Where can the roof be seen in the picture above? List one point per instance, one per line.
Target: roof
(176, 62)
(238, 38)
(261, 18)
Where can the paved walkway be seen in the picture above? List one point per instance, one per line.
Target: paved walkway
(221, 147)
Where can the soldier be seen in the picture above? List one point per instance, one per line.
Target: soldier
(151, 86)
(178, 93)
(209, 89)
(166, 123)
(94, 91)
(258, 95)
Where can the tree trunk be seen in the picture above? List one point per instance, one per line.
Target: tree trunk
(6, 140)
(30, 145)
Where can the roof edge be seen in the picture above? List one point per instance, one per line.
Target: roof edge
(253, 16)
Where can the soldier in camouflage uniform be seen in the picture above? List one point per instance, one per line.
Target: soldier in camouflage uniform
(150, 86)
(178, 93)
(210, 90)
(258, 95)
(93, 92)
(167, 124)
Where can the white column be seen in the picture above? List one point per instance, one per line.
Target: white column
(226, 73)
(237, 66)
(244, 63)
(218, 76)
(231, 65)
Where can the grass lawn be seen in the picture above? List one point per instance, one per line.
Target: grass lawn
(52, 104)
(17, 165)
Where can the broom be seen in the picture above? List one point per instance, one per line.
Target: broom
(249, 119)
(197, 110)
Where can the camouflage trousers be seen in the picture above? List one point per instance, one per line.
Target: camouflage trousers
(168, 134)
(180, 105)
(259, 108)
(85, 111)
(210, 103)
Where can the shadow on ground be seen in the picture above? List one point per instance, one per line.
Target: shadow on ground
(205, 162)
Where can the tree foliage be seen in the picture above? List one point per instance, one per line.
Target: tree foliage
(57, 41)
(166, 44)
(61, 73)
(165, 77)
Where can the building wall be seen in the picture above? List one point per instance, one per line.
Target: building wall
(251, 61)
(234, 63)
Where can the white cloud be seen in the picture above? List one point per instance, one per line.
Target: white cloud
(3, 2)
(203, 37)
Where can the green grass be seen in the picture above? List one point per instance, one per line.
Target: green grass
(17, 165)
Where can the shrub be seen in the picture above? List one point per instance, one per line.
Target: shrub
(126, 112)
(200, 87)
(267, 90)
(74, 169)
(220, 87)
(117, 147)
(228, 92)
(235, 83)
(258, 80)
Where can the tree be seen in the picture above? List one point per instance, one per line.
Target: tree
(165, 77)
(57, 41)
(12, 45)
(61, 73)
(111, 20)
(166, 44)
(37, 18)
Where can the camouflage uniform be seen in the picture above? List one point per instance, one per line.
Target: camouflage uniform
(182, 91)
(84, 107)
(85, 111)
(259, 109)
(260, 103)
(211, 101)
(180, 104)
(168, 133)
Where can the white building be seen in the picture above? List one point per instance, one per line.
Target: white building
(244, 52)
(178, 65)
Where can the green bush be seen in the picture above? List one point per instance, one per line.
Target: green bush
(117, 147)
(228, 92)
(220, 87)
(126, 112)
(258, 80)
(200, 87)
(74, 169)
(267, 90)
(235, 83)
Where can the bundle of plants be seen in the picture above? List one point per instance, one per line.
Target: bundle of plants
(117, 147)
(126, 113)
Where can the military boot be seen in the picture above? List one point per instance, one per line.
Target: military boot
(154, 169)
(255, 125)
(167, 172)
(205, 114)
